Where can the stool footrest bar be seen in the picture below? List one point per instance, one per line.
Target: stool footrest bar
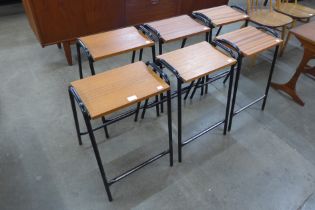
(203, 132)
(136, 168)
(249, 105)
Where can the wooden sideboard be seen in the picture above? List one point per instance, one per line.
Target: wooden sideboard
(62, 21)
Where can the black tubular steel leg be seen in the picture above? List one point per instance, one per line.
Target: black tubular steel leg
(98, 157)
(207, 85)
(179, 113)
(157, 106)
(162, 104)
(153, 53)
(140, 55)
(183, 43)
(228, 102)
(239, 66)
(137, 111)
(226, 77)
(79, 60)
(219, 30)
(189, 89)
(207, 37)
(105, 127)
(92, 67)
(75, 116)
(160, 48)
(144, 108)
(202, 87)
(246, 23)
(270, 77)
(195, 88)
(169, 121)
(133, 56)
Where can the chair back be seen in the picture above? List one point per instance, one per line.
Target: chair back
(259, 4)
(283, 1)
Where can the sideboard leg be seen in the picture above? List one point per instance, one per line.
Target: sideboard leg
(59, 45)
(67, 49)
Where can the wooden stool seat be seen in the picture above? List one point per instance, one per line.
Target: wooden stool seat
(118, 88)
(223, 15)
(175, 28)
(115, 42)
(250, 40)
(197, 61)
(296, 10)
(269, 18)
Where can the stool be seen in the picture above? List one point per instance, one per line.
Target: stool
(193, 63)
(172, 29)
(114, 90)
(220, 16)
(251, 41)
(111, 43)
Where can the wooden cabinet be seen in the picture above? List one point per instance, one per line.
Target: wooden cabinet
(62, 21)
(138, 11)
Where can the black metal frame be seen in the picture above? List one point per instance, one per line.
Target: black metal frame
(234, 53)
(74, 97)
(238, 72)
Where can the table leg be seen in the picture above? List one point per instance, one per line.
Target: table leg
(290, 86)
(310, 70)
(67, 49)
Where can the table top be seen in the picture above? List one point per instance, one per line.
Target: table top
(223, 15)
(305, 32)
(119, 88)
(178, 27)
(197, 61)
(115, 42)
(251, 40)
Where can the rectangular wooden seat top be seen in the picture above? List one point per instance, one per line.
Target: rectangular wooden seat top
(305, 32)
(115, 42)
(250, 40)
(223, 15)
(197, 61)
(116, 89)
(178, 27)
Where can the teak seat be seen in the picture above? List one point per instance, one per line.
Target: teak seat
(296, 11)
(176, 28)
(268, 17)
(221, 16)
(111, 43)
(194, 63)
(250, 41)
(110, 91)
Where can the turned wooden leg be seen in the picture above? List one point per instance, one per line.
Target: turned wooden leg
(290, 87)
(67, 49)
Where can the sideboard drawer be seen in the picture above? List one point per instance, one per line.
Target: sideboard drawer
(140, 11)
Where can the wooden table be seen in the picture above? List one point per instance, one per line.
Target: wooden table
(306, 35)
